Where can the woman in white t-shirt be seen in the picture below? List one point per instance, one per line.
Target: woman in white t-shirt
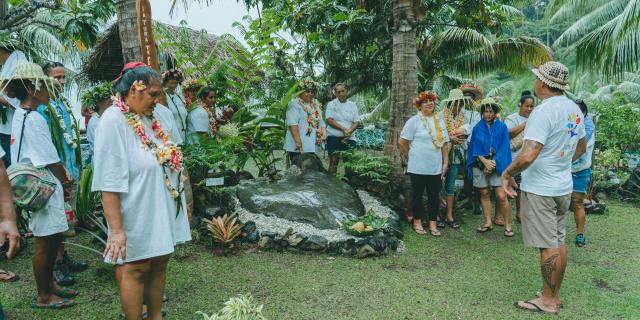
(202, 122)
(32, 145)
(175, 101)
(137, 167)
(425, 142)
(516, 123)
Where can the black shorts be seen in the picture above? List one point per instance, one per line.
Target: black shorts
(338, 144)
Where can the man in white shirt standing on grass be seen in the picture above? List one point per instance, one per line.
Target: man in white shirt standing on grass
(343, 119)
(553, 138)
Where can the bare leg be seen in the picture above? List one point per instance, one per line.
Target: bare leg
(485, 201)
(43, 260)
(131, 280)
(154, 287)
(505, 208)
(450, 204)
(498, 218)
(518, 207)
(577, 202)
(333, 164)
(552, 265)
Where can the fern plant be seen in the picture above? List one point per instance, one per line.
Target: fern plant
(225, 229)
(241, 307)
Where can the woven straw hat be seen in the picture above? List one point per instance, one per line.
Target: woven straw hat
(473, 89)
(491, 102)
(457, 95)
(554, 74)
(29, 71)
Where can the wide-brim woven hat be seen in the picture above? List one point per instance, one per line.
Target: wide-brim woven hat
(553, 74)
(476, 91)
(31, 72)
(456, 95)
(490, 101)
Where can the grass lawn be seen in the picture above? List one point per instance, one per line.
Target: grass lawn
(461, 275)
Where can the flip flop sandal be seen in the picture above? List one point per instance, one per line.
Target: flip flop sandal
(418, 231)
(11, 278)
(66, 293)
(453, 224)
(508, 233)
(560, 305)
(498, 223)
(484, 229)
(65, 303)
(537, 308)
(435, 233)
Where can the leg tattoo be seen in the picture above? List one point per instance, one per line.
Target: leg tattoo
(548, 267)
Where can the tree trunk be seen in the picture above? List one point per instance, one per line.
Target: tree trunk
(128, 29)
(4, 9)
(404, 75)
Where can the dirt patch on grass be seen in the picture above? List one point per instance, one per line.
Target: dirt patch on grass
(604, 285)
(397, 267)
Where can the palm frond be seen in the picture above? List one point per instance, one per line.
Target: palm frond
(513, 55)
(460, 39)
(511, 12)
(591, 21)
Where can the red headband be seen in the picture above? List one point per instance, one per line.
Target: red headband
(128, 66)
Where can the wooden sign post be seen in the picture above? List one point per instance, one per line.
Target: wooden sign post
(145, 33)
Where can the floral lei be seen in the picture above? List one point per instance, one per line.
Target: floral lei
(72, 138)
(448, 118)
(313, 118)
(437, 138)
(168, 153)
(213, 123)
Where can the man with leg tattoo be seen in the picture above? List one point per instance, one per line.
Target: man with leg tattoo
(553, 138)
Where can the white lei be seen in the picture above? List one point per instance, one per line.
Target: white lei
(438, 143)
(71, 139)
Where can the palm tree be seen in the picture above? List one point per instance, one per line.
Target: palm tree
(128, 29)
(404, 75)
(605, 34)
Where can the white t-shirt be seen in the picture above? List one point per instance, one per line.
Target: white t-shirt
(164, 115)
(7, 70)
(297, 116)
(198, 121)
(148, 210)
(344, 113)
(91, 130)
(558, 124)
(424, 158)
(38, 150)
(178, 109)
(513, 121)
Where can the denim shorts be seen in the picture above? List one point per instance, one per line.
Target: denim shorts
(581, 180)
(450, 179)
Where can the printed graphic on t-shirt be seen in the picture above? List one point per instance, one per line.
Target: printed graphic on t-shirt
(572, 125)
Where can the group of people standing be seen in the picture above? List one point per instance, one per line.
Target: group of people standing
(141, 121)
(539, 155)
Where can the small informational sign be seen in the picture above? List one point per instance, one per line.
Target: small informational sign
(214, 182)
(145, 33)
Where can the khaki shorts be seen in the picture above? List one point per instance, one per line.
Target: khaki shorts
(482, 180)
(543, 219)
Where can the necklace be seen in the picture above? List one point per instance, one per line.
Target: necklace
(213, 123)
(70, 139)
(168, 154)
(449, 120)
(437, 138)
(313, 118)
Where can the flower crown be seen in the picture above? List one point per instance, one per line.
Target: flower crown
(425, 96)
(309, 85)
(173, 74)
(99, 92)
(193, 84)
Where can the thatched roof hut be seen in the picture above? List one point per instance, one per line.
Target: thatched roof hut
(105, 62)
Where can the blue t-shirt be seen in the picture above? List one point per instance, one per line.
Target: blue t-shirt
(69, 156)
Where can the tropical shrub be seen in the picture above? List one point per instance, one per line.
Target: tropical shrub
(241, 307)
(224, 230)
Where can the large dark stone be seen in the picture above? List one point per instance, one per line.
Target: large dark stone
(314, 197)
